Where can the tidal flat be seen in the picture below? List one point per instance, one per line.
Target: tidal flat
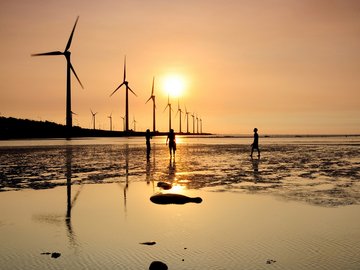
(88, 200)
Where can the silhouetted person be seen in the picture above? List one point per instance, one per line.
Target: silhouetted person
(148, 147)
(172, 142)
(255, 144)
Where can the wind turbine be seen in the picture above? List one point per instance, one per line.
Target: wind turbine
(69, 68)
(154, 106)
(201, 126)
(134, 122)
(179, 110)
(187, 120)
(123, 118)
(193, 117)
(110, 117)
(197, 124)
(127, 88)
(169, 105)
(93, 117)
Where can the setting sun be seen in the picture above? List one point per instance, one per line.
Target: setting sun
(174, 85)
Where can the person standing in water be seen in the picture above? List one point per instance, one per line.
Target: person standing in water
(148, 147)
(255, 144)
(172, 142)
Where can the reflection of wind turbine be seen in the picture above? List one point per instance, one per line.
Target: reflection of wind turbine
(187, 120)
(127, 88)
(154, 106)
(110, 117)
(193, 117)
(169, 105)
(179, 110)
(70, 203)
(93, 118)
(70, 68)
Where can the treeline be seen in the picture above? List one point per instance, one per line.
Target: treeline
(13, 128)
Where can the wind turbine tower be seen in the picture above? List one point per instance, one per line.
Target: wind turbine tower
(69, 69)
(110, 117)
(154, 106)
(197, 124)
(193, 117)
(127, 88)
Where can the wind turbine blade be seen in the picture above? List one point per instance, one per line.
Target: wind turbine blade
(116, 89)
(148, 100)
(152, 89)
(125, 68)
(48, 53)
(71, 36)
(73, 70)
(91, 112)
(166, 107)
(132, 91)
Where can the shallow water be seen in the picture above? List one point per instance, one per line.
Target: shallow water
(101, 226)
(294, 208)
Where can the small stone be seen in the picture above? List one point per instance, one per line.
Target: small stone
(148, 243)
(55, 255)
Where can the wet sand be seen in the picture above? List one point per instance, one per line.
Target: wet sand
(295, 208)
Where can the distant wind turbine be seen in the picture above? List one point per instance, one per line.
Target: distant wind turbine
(110, 117)
(93, 118)
(169, 105)
(153, 99)
(179, 111)
(187, 120)
(123, 118)
(127, 88)
(197, 124)
(193, 117)
(69, 68)
(134, 122)
(201, 126)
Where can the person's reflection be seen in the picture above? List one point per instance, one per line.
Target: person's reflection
(172, 170)
(148, 172)
(255, 165)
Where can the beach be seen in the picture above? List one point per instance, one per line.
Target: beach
(89, 201)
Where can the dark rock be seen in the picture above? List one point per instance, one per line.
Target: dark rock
(157, 265)
(55, 255)
(148, 243)
(170, 198)
(164, 185)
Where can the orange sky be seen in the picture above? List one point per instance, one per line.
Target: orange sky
(284, 66)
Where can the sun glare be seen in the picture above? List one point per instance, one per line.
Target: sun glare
(174, 85)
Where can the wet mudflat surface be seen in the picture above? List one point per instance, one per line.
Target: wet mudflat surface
(86, 205)
(319, 172)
